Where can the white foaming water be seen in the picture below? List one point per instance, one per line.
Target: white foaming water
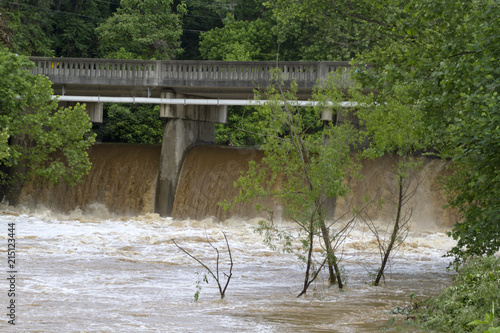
(95, 272)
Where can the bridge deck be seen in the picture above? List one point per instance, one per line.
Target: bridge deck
(210, 79)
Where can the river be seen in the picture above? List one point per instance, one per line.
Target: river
(92, 268)
(80, 273)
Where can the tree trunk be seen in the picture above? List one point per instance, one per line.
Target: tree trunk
(331, 260)
(333, 269)
(309, 258)
(393, 235)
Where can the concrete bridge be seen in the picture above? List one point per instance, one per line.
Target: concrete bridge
(193, 96)
(206, 79)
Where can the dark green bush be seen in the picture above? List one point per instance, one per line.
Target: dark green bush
(474, 292)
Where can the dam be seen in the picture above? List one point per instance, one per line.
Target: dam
(123, 179)
(97, 258)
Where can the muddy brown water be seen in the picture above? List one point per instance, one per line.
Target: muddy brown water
(96, 259)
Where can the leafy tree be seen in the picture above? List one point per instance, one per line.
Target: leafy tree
(240, 41)
(301, 170)
(251, 35)
(395, 128)
(142, 29)
(446, 55)
(269, 36)
(131, 123)
(74, 24)
(50, 142)
(27, 27)
(56, 27)
(248, 10)
(201, 16)
(4, 31)
(241, 129)
(330, 30)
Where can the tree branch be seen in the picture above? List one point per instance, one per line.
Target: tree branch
(222, 291)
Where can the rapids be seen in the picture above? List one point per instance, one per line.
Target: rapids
(85, 273)
(94, 258)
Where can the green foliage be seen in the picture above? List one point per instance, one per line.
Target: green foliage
(489, 319)
(27, 25)
(248, 10)
(290, 30)
(273, 235)
(4, 31)
(393, 127)
(309, 167)
(51, 142)
(392, 124)
(131, 123)
(230, 30)
(4, 144)
(199, 286)
(56, 27)
(201, 16)
(326, 30)
(142, 29)
(300, 170)
(473, 293)
(446, 56)
(239, 41)
(73, 28)
(242, 127)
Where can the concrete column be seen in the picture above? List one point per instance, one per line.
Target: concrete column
(327, 116)
(184, 128)
(94, 110)
(179, 135)
(211, 113)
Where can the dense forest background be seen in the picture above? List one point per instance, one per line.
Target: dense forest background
(190, 29)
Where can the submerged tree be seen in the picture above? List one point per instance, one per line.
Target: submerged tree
(213, 273)
(301, 170)
(394, 128)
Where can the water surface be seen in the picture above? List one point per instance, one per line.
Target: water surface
(106, 273)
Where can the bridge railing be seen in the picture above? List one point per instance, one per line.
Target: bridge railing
(94, 68)
(248, 71)
(305, 73)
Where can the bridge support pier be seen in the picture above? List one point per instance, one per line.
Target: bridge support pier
(185, 127)
(94, 110)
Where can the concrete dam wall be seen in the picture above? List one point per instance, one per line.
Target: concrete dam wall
(123, 179)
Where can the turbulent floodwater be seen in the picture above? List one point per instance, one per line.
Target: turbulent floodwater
(112, 267)
(106, 273)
